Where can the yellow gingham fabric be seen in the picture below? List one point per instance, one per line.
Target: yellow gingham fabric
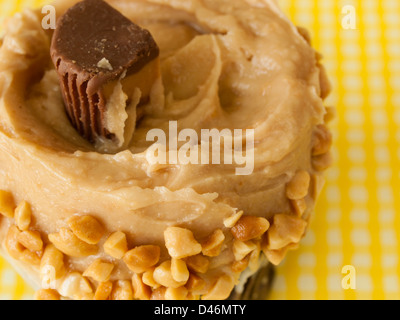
(357, 219)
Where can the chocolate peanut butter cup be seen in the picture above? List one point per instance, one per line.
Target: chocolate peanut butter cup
(95, 47)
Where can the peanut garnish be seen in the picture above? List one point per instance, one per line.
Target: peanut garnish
(141, 290)
(76, 287)
(86, 228)
(322, 140)
(30, 257)
(221, 289)
(122, 290)
(299, 206)
(249, 227)
(99, 271)
(211, 247)
(254, 258)
(322, 162)
(68, 243)
(298, 187)
(231, 221)
(103, 291)
(158, 294)
(52, 263)
(180, 293)
(285, 229)
(198, 263)
(325, 84)
(47, 294)
(181, 243)
(240, 266)
(116, 245)
(195, 284)
(305, 34)
(162, 275)
(317, 184)
(23, 216)
(148, 279)
(12, 245)
(277, 256)
(242, 249)
(7, 205)
(142, 258)
(179, 270)
(31, 240)
(330, 114)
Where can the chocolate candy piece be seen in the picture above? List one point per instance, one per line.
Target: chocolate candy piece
(93, 48)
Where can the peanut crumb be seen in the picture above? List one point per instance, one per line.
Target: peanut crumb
(105, 64)
(181, 243)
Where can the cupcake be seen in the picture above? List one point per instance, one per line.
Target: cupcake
(158, 149)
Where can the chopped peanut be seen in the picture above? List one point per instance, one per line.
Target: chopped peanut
(242, 249)
(141, 290)
(86, 228)
(231, 221)
(179, 270)
(285, 230)
(305, 34)
(195, 284)
(116, 245)
(198, 263)
(31, 240)
(240, 266)
(76, 287)
(299, 206)
(23, 216)
(148, 279)
(277, 256)
(325, 84)
(53, 261)
(68, 243)
(142, 258)
(221, 290)
(317, 182)
(254, 258)
(163, 275)
(99, 271)
(181, 243)
(158, 294)
(30, 257)
(211, 247)
(322, 162)
(330, 114)
(122, 290)
(322, 140)
(298, 187)
(249, 227)
(47, 294)
(180, 293)
(103, 291)
(14, 248)
(7, 205)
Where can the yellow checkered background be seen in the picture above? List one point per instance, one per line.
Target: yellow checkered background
(357, 220)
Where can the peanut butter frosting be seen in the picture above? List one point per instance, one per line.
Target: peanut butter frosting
(113, 225)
